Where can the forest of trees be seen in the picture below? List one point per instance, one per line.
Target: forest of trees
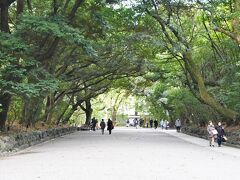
(181, 56)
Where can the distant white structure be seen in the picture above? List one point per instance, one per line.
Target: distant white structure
(128, 108)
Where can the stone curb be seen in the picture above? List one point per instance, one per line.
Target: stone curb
(15, 142)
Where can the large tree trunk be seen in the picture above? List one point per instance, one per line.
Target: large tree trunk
(73, 109)
(5, 101)
(190, 65)
(20, 7)
(88, 111)
(114, 115)
(5, 98)
(236, 20)
(74, 9)
(118, 101)
(48, 108)
(70, 113)
(68, 116)
(31, 112)
(4, 27)
(203, 93)
(62, 114)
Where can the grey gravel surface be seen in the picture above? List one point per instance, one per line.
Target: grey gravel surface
(127, 154)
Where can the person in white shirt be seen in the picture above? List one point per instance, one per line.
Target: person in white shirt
(178, 125)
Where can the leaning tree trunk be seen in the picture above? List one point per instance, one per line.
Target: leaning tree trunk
(203, 93)
(191, 66)
(69, 114)
(72, 110)
(62, 115)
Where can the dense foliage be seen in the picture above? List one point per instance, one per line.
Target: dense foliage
(181, 57)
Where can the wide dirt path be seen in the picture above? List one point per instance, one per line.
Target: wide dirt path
(127, 154)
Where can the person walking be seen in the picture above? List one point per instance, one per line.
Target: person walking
(102, 125)
(127, 124)
(93, 124)
(212, 132)
(162, 124)
(136, 123)
(110, 126)
(165, 124)
(178, 125)
(220, 134)
(151, 123)
(155, 124)
(96, 126)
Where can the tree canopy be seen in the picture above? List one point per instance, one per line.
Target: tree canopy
(180, 56)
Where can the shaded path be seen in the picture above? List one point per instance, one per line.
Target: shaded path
(127, 154)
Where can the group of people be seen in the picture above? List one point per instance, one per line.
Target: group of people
(136, 122)
(153, 123)
(94, 125)
(109, 125)
(164, 124)
(215, 132)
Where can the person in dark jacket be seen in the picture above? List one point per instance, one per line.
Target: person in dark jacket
(94, 123)
(155, 124)
(220, 134)
(110, 126)
(102, 125)
(136, 123)
(151, 123)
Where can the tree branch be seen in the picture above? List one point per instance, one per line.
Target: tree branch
(74, 9)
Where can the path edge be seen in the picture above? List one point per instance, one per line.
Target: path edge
(15, 142)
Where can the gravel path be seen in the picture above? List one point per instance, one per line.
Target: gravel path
(127, 154)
